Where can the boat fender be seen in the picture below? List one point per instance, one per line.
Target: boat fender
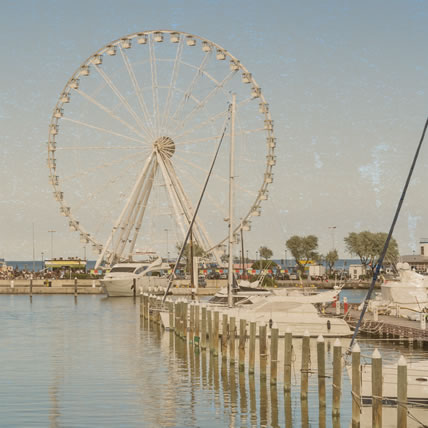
(270, 323)
(328, 325)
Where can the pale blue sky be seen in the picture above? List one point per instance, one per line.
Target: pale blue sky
(346, 82)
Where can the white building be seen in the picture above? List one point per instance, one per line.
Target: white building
(355, 271)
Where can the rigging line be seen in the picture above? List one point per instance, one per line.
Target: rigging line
(173, 81)
(194, 216)
(117, 134)
(109, 112)
(137, 89)
(388, 239)
(120, 96)
(190, 177)
(203, 103)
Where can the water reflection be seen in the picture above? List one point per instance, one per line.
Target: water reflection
(99, 363)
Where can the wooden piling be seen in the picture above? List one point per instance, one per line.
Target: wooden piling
(31, 286)
(224, 336)
(216, 327)
(197, 337)
(232, 329)
(321, 371)
(210, 330)
(204, 327)
(337, 377)
(273, 355)
(306, 356)
(262, 350)
(192, 322)
(171, 315)
(356, 386)
(376, 389)
(252, 348)
(402, 393)
(184, 317)
(75, 286)
(288, 337)
(242, 339)
(134, 288)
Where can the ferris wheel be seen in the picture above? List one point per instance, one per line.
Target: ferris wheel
(132, 137)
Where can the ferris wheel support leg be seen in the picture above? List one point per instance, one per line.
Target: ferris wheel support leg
(142, 211)
(119, 220)
(201, 234)
(137, 212)
(172, 194)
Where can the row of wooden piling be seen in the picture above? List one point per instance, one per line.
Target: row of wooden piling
(200, 325)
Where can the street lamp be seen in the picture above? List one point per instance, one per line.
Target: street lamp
(332, 228)
(51, 232)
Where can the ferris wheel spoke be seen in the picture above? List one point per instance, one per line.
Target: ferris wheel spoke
(187, 93)
(174, 76)
(203, 103)
(216, 137)
(202, 124)
(137, 89)
(81, 174)
(220, 178)
(109, 112)
(153, 69)
(120, 97)
(107, 131)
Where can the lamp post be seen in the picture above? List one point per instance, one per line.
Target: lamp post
(167, 250)
(332, 228)
(51, 232)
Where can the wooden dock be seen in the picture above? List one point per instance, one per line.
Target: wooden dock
(386, 326)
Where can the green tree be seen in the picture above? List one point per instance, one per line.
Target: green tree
(331, 258)
(368, 246)
(303, 249)
(197, 252)
(265, 253)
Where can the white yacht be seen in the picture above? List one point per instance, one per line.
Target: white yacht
(148, 274)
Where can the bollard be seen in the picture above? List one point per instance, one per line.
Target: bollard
(402, 393)
(423, 321)
(75, 286)
(273, 355)
(337, 377)
(232, 340)
(338, 306)
(204, 327)
(288, 337)
(262, 350)
(224, 336)
(375, 314)
(252, 348)
(242, 339)
(321, 370)
(376, 389)
(356, 386)
(306, 356)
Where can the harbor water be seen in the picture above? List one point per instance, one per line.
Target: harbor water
(89, 361)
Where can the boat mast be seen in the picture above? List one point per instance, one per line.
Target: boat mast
(231, 187)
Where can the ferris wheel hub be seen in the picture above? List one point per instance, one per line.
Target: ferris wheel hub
(165, 146)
